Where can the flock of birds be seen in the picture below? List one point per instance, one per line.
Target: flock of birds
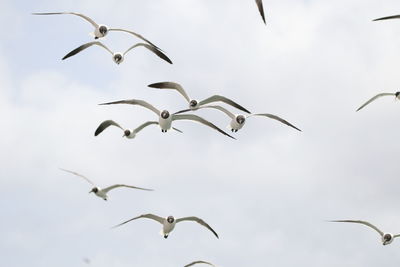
(165, 120)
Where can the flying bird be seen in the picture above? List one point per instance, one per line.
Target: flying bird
(388, 17)
(102, 193)
(127, 132)
(396, 95)
(387, 238)
(194, 104)
(261, 9)
(198, 262)
(118, 57)
(100, 30)
(165, 119)
(238, 120)
(169, 222)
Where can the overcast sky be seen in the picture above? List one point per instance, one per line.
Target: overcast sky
(268, 194)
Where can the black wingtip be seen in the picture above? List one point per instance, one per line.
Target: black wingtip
(157, 85)
(181, 111)
(168, 60)
(98, 130)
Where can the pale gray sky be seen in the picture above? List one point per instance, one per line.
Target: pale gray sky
(267, 194)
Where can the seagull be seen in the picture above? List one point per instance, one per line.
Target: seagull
(198, 262)
(165, 119)
(261, 9)
(194, 104)
(169, 222)
(387, 238)
(100, 30)
(127, 132)
(102, 193)
(389, 17)
(239, 120)
(118, 57)
(396, 95)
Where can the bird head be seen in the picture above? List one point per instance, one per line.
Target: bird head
(240, 119)
(165, 114)
(94, 190)
(126, 133)
(387, 239)
(170, 219)
(118, 58)
(397, 95)
(193, 104)
(103, 30)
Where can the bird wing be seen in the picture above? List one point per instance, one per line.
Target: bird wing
(228, 101)
(199, 221)
(201, 120)
(362, 222)
(171, 85)
(274, 117)
(104, 125)
(389, 17)
(135, 102)
(374, 98)
(227, 112)
(175, 129)
(138, 129)
(83, 47)
(71, 13)
(80, 175)
(224, 110)
(261, 9)
(152, 49)
(135, 34)
(396, 236)
(148, 216)
(197, 262)
(123, 185)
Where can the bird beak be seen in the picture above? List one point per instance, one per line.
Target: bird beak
(90, 191)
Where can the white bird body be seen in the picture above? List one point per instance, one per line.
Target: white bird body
(99, 192)
(132, 135)
(237, 123)
(168, 227)
(165, 120)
